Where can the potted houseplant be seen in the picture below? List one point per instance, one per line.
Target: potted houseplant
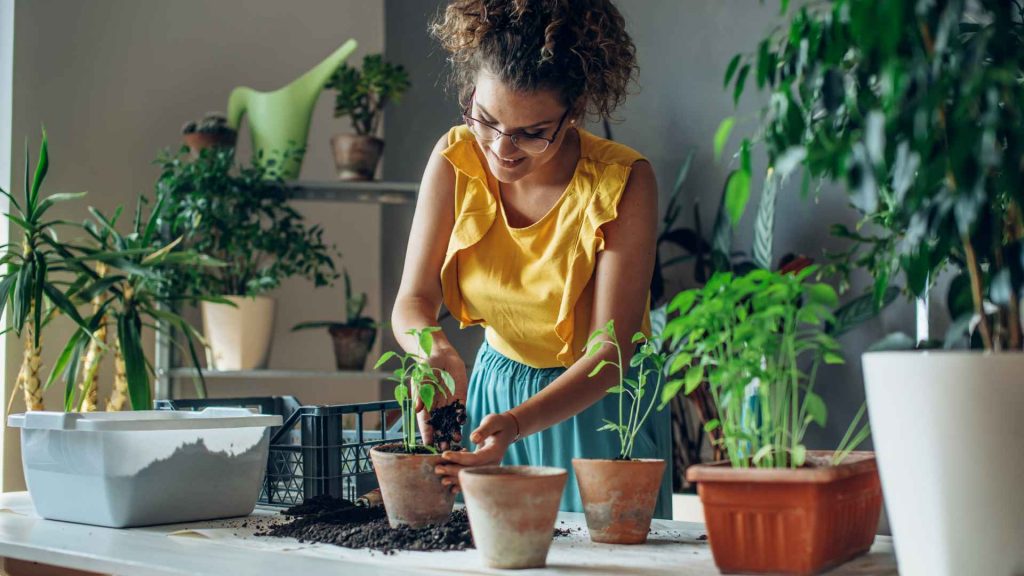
(619, 495)
(774, 507)
(918, 109)
(352, 338)
(413, 494)
(362, 95)
(212, 131)
(239, 216)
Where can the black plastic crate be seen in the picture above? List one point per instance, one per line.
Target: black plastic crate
(318, 450)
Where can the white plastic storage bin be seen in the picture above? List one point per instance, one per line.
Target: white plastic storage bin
(123, 469)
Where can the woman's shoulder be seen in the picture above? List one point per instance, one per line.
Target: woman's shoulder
(605, 151)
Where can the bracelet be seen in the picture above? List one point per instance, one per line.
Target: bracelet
(516, 420)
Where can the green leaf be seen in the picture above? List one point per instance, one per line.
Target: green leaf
(681, 360)
(764, 452)
(712, 425)
(427, 396)
(722, 135)
(449, 382)
(65, 306)
(426, 343)
(156, 255)
(682, 302)
(731, 69)
(741, 81)
(62, 361)
(384, 358)
(737, 193)
(799, 455)
(833, 358)
(130, 337)
(616, 389)
(860, 310)
(816, 410)
(56, 199)
(639, 337)
(401, 393)
(694, 376)
(42, 166)
(598, 368)
(764, 227)
(671, 388)
(893, 341)
(821, 294)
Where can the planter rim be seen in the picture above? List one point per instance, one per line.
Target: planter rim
(634, 461)
(518, 472)
(943, 353)
(856, 463)
(376, 449)
(234, 297)
(353, 136)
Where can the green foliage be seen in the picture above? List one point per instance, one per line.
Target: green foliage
(756, 330)
(918, 108)
(238, 215)
(354, 305)
(417, 381)
(650, 365)
(364, 93)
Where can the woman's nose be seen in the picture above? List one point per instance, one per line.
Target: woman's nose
(503, 146)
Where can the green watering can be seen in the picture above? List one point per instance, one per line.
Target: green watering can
(279, 120)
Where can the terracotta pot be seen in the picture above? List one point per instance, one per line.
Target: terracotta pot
(351, 345)
(789, 521)
(512, 512)
(413, 493)
(356, 156)
(197, 141)
(619, 497)
(239, 336)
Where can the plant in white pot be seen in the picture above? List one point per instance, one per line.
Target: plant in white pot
(353, 337)
(775, 506)
(239, 216)
(413, 494)
(362, 95)
(917, 107)
(619, 495)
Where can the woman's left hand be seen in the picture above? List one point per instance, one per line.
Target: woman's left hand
(492, 438)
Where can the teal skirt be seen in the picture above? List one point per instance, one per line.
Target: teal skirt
(499, 383)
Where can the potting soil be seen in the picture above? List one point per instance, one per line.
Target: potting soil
(446, 421)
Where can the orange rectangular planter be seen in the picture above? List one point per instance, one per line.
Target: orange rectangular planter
(781, 521)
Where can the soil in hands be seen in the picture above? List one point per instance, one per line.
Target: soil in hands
(447, 421)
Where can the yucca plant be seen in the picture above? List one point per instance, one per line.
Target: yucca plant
(34, 273)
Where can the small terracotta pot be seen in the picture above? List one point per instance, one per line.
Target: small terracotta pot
(413, 493)
(197, 141)
(803, 521)
(619, 497)
(351, 345)
(512, 512)
(356, 156)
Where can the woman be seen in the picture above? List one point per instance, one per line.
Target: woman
(536, 229)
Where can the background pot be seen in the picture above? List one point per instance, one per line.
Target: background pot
(770, 521)
(356, 156)
(512, 512)
(948, 430)
(239, 337)
(197, 141)
(351, 345)
(619, 497)
(413, 493)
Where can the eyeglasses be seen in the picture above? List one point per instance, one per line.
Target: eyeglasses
(526, 142)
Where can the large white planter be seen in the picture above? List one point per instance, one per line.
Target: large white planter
(239, 337)
(948, 429)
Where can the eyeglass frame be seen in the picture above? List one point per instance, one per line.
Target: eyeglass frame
(513, 137)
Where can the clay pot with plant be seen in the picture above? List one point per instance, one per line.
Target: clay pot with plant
(362, 95)
(212, 131)
(352, 338)
(413, 494)
(619, 496)
(774, 507)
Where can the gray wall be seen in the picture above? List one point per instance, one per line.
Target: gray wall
(683, 48)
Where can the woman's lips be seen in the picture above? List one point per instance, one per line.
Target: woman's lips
(506, 163)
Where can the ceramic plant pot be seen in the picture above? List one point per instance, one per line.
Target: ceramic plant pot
(948, 430)
(239, 336)
(413, 493)
(356, 157)
(351, 345)
(198, 141)
(619, 497)
(512, 512)
(803, 521)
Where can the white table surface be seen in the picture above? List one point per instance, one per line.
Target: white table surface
(225, 547)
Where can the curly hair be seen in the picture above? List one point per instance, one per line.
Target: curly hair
(579, 48)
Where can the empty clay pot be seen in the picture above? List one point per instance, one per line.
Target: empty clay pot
(351, 345)
(413, 493)
(619, 497)
(512, 512)
(197, 141)
(356, 156)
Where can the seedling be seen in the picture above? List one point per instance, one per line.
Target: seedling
(416, 380)
(651, 363)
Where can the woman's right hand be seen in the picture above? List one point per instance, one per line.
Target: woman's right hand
(448, 359)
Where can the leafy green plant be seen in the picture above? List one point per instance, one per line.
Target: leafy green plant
(32, 289)
(364, 93)
(354, 305)
(918, 108)
(753, 331)
(417, 381)
(650, 364)
(238, 215)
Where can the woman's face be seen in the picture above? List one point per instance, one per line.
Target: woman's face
(520, 113)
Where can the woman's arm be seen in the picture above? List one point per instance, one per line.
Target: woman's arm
(419, 296)
(622, 281)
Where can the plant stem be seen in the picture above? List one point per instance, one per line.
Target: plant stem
(976, 293)
(28, 376)
(119, 396)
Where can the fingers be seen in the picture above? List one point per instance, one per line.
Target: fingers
(426, 430)
(492, 425)
(449, 474)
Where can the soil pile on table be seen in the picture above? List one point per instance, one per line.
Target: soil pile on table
(339, 522)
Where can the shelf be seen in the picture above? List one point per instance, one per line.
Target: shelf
(371, 192)
(281, 374)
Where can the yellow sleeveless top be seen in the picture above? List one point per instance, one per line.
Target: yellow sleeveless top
(531, 287)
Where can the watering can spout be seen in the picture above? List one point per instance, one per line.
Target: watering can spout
(279, 120)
